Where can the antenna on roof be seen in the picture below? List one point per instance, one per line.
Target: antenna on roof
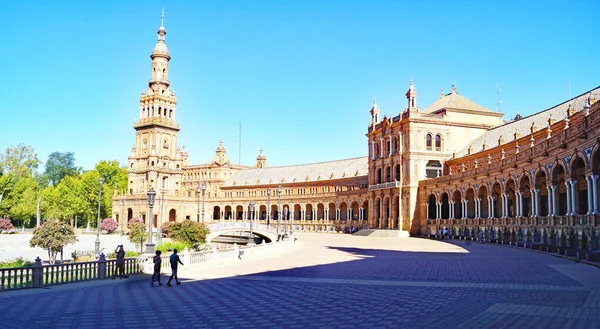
(498, 90)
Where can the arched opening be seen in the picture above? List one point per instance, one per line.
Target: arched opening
(309, 212)
(377, 210)
(470, 197)
(378, 176)
(431, 207)
(497, 200)
(395, 218)
(428, 142)
(578, 178)
(386, 212)
(297, 212)
(433, 169)
(525, 189)
(331, 211)
(510, 198)
(445, 206)
(541, 185)
(320, 211)
(457, 205)
(228, 213)
(438, 142)
(397, 171)
(239, 213)
(376, 150)
(343, 211)
(558, 180)
(354, 211)
(483, 202)
(129, 214)
(262, 211)
(172, 215)
(365, 209)
(216, 212)
(388, 174)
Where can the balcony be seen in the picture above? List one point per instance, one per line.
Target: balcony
(382, 186)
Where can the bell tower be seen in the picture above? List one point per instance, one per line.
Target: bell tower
(155, 160)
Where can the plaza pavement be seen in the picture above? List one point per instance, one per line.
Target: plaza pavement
(335, 281)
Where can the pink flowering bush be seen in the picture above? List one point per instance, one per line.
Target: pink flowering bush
(134, 222)
(5, 224)
(109, 225)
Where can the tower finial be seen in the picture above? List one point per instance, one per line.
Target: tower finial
(162, 19)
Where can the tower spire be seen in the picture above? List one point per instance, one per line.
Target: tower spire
(162, 19)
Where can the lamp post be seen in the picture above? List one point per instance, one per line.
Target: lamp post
(122, 218)
(203, 191)
(278, 209)
(162, 207)
(285, 215)
(268, 206)
(251, 237)
(198, 190)
(97, 243)
(151, 196)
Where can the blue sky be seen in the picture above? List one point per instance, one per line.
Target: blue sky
(300, 75)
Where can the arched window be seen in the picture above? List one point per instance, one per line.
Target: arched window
(433, 169)
(428, 142)
(388, 174)
(397, 172)
(438, 142)
(378, 178)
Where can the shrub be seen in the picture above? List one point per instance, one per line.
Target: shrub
(188, 232)
(18, 262)
(168, 228)
(137, 231)
(5, 224)
(168, 246)
(109, 225)
(52, 236)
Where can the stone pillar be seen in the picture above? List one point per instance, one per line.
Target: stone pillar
(595, 193)
(372, 150)
(451, 209)
(37, 274)
(574, 198)
(491, 210)
(102, 267)
(590, 195)
(537, 202)
(554, 207)
(568, 185)
(520, 203)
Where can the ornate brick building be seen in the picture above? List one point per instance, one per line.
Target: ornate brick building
(453, 166)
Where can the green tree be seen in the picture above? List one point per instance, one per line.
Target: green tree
(71, 202)
(52, 236)
(25, 196)
(89, 195)
(114, 175)
(20, 160)
(60, 165)
(7, 184)
(51, 205)
(189, 232)
(137, 232)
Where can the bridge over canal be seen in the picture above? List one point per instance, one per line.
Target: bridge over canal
(240, 232)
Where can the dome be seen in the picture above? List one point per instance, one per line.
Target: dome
(221, 148)
(261, 156)
(160, 48)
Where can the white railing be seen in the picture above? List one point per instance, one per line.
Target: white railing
(384, 186)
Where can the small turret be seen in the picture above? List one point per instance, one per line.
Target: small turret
(374, 113)
(411, 95)
(261, 160)
(220, 157)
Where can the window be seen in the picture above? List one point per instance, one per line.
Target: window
(433, 169)
(438, 142)
(388, 174)
(428, 142)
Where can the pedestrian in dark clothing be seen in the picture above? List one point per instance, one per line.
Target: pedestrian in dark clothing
(156, 275)
(174, 259)
(120, 263)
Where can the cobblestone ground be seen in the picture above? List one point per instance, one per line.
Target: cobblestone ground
(335, 281)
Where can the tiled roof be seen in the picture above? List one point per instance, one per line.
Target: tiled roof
(523, 126)
(311, 172)
(455, 100)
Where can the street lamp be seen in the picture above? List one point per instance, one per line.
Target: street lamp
(162, 207)
(151, 196)
(198, 190)
(203, 190)
(268, 206)
(97, 244)
(278, 209)
(251, 237)
(285, 215)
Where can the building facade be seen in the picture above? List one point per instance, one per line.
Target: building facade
(453, 166)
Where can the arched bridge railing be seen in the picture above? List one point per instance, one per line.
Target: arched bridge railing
(240, 225)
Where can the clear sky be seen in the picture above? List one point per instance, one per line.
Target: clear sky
(300, 75)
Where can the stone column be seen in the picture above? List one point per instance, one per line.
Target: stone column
(568, 185)
(590, 195)
(381, 147)
(427, 208)
(595, 193)
(491, 210)
(574, 198)
(521, 208)
(451, 209)
(390, 145)
(554, 207)
(537, 202)
(372, 150)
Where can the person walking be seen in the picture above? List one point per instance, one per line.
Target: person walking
(120, 263)
(174, 259)
(156, 275)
